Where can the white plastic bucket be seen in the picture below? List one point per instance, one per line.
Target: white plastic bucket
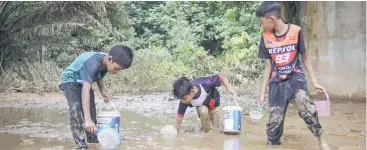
(232, 119)
(110, 119)
(108, 129)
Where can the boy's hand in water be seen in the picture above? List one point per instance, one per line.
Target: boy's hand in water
(90, 126)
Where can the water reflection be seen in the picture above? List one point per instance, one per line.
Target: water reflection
(231, 144)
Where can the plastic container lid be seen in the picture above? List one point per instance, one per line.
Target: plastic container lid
(256, 114)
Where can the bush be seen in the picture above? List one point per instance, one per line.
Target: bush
(150, 71)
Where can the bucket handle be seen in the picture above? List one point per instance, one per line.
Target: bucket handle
(113, 105)
(260, 106)
(328, 100)
(234, 99)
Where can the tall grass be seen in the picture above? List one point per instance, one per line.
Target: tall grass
(31, 77)
(153, 70)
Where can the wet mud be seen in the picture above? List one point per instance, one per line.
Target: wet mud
(29, 121)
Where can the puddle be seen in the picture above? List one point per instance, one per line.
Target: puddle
(46, 127)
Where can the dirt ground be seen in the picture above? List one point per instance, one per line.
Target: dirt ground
(33, 122)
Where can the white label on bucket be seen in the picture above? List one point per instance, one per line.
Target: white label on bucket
(104, 120)
(228, 124)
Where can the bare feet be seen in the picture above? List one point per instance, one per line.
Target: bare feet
(322, 143)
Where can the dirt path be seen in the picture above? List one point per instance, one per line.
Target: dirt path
(29, 121)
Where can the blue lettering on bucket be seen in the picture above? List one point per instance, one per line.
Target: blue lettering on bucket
(113, 123)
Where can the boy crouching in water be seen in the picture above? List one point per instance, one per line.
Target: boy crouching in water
(201, 93)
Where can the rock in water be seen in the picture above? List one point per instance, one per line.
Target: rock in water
(168, 130)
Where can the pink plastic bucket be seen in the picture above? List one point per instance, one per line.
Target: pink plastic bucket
(323, 106)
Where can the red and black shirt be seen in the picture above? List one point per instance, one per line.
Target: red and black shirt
(207, 95)
(284, 51)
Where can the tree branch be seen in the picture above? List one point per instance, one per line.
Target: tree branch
(1, 61)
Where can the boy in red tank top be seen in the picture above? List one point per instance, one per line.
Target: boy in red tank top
(282, 45)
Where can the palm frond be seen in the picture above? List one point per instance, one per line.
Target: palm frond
(91, 21)
(51, 29)
(8, 9)
(117, 17)
(59, 12)
(3, 5)
(100, 6)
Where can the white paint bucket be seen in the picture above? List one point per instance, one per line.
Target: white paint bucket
(110, 119)
(108, 125)
(232, 119)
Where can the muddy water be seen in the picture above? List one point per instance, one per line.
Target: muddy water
(30, 122)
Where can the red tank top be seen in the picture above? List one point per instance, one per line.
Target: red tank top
(284, 53)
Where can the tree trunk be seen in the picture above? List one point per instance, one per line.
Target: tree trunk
(1, 61)
(295, 11)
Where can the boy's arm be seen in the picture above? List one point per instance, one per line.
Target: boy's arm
(178, 123)
(103, 90)
(86, 107)
(267, 72)
(264, 54)
(225, 83)
(180, 114)
(308, 66)
(87, 73)
(307, 63)
(101, 85)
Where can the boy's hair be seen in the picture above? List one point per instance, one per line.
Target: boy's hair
(268, 9)
(182, 87)
(122, 55)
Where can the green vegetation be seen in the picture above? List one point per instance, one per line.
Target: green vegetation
(170, 39)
